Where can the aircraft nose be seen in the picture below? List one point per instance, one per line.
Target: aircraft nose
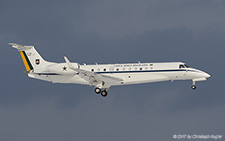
(206, 75)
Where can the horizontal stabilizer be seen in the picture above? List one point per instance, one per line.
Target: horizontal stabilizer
(20, 47)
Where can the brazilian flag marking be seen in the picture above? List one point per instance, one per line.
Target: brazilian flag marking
(26, 61)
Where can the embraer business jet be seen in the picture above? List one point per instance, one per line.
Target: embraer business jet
(106, 75)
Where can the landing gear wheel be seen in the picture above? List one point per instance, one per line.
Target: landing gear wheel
(104, 93)
(193, 87)
(98, 90)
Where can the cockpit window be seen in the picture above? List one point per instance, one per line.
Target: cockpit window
(186, 66)
(181, 66)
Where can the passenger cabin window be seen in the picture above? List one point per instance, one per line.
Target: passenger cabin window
(104, 69)
(140, 68)
(92, 69)
(117, 69)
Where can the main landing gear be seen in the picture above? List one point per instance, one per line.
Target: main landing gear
(104, 92)
(98, 90)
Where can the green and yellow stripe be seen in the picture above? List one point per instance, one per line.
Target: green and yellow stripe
(26, 61)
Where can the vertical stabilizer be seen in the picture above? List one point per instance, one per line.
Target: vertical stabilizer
(30, 57)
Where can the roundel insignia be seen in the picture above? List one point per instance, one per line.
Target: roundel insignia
(37, 61)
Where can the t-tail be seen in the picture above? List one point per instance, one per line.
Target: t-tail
(31, 58)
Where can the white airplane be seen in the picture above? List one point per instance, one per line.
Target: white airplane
(105, 75)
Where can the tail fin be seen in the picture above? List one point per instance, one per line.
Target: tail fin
(31, 58)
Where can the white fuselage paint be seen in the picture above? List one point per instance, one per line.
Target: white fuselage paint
(106, 75)
(135, 73)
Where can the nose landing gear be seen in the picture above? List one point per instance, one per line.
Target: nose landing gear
(193, 86)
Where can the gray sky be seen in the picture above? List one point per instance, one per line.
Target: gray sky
(117, 31)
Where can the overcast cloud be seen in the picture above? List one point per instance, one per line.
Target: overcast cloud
(118, 31)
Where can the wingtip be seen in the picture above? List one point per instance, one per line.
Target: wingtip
(11, 43)
(66, 59)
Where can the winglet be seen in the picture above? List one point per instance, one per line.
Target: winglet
(69, 64)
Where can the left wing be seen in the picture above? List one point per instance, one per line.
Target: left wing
(96, 79)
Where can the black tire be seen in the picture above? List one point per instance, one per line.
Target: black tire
(97, 90)
(193, 87)
(104, 93)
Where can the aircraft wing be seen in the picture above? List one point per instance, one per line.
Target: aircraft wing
(96, 79)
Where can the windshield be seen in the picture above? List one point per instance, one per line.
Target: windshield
(186, 66)
(183, 66)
